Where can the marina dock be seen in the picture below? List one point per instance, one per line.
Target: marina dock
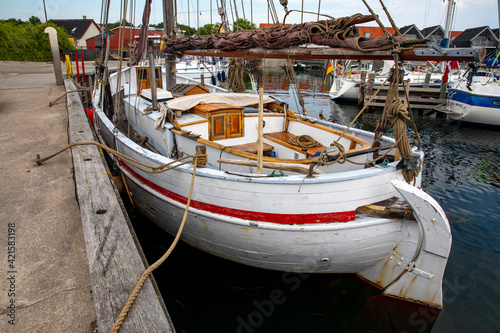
(71, 258)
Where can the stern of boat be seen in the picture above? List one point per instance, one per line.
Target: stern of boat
(414, 270)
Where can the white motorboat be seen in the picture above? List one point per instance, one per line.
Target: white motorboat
(475, 99)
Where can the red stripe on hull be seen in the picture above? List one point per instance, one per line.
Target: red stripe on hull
(245, 214)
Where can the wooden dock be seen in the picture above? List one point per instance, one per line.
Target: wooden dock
(420, 98)
(115, 257)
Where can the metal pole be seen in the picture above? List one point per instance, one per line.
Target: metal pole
(45, 10)
(447, 29)
(451, 3)
(54, 47)
(498, 6)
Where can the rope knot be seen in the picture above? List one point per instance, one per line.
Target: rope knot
(397, 111)
(200, 160)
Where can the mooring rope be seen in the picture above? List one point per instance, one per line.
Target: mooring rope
(150, 269)
(69, 92)
(198, 159)
(141, 166)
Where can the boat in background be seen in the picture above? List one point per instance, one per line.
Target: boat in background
(346, 86)
(475, 98)
(213, 69)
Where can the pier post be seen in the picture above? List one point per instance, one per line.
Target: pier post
(361, 96)
(54, 47)
(427, 80)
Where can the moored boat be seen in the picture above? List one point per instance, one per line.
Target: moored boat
(474, 99)
(318, 204)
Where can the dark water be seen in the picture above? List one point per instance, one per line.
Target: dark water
(462, 172)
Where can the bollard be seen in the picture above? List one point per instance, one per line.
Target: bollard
(54, 47)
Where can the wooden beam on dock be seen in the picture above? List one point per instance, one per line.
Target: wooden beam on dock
(424, 54)
(114, 255)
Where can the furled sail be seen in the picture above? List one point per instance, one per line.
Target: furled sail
(335, 33)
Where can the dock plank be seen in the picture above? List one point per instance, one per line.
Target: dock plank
(114, 260)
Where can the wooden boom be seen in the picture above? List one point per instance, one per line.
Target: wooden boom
(423, 54)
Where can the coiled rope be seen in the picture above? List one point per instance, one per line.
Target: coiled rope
(236, 68)
(305, 141)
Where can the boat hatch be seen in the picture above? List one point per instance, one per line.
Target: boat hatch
(225, 121)
(144, 80)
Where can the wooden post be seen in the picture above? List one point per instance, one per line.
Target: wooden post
(201, 150)
(369, 86)
(442, 92)
(361, 97)
(427, 80)
(259, 140)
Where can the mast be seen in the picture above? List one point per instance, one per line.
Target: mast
(451, 4)
(498, 6)
(169, 25)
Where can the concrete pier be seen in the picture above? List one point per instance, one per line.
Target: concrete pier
(65, 268)
(40, 226)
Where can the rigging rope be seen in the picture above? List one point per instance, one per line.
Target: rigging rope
(236, 68)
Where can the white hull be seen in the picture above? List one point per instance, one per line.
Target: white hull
(480, 104)
(292, 223)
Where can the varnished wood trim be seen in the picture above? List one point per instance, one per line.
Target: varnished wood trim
(362, 143)
(195, 122)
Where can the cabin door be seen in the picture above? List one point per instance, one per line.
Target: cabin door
(226, 125)
(144, 79)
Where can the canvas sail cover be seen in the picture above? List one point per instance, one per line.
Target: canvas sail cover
(236, 99)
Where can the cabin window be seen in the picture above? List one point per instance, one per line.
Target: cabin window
(144, 80)
(496, 103)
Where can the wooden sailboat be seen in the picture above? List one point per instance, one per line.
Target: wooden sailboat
(279, 190)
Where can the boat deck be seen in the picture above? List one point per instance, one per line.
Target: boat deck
(283, 138)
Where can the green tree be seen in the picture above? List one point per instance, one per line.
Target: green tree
(159, 25)
(117, 24)
(188, 31)
(207, 29)
(242, 24)
(29, 42)
(34, 20)
(13, 21)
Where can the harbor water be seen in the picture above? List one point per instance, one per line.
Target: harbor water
(206, 294)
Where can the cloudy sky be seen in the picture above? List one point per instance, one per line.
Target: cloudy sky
(422, 13)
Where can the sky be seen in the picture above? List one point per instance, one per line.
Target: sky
(422, 13)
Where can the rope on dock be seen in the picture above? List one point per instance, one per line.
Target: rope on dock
(69, 92)
(197, 158)
(150, 269)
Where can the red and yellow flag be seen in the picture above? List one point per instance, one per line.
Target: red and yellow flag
(329, 69)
